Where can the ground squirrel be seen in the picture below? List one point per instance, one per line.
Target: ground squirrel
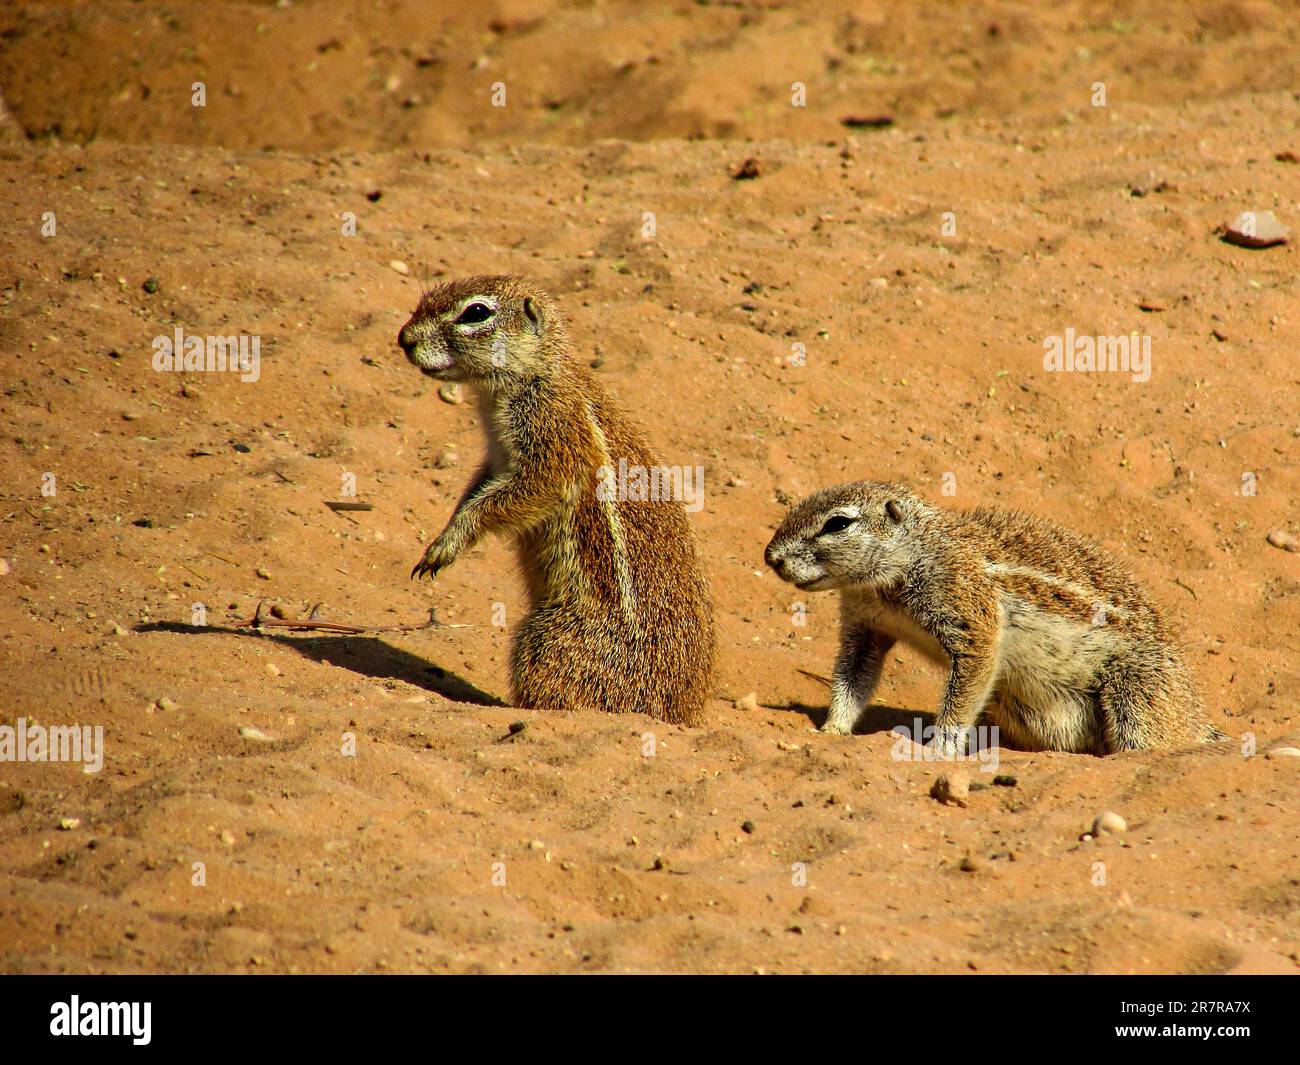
(620, 617)
(1045, 634)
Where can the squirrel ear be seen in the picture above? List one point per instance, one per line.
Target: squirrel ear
(533, 313)
(894, 510)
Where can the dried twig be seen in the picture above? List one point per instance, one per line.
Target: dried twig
(258, 621)
(815, 676)
(196, 573)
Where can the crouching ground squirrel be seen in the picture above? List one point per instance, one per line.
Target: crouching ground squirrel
(1045, 634)
(620, 616)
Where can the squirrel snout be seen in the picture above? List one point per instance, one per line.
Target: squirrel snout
(406, 340)
(776, 561)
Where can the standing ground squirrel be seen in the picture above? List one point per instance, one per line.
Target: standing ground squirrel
(1044, 633)
(620, 617)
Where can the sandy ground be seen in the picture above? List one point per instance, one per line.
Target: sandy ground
(446, 842)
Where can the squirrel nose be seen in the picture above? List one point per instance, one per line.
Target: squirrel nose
(773, 559)
(405, 340)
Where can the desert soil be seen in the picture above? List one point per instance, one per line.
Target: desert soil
(447, 842)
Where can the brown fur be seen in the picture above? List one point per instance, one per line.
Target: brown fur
(1045, 634)
(620, 618)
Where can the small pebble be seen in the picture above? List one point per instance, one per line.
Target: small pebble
(1005, 780)
(747, 827)
(1109, 823)
(117, 630)
(167, 704)
(67, 824)
(971, 864)
(1283, 539)
(782, 745)
(1282, 752)
(951, 789)
(450, 393)
(273, 669)
(4, 567)
(264, 573)
(250, 733)
(1256, 229)
(399, 266)
(151, 285)
(517, 727)
(748, 703)
(814, 906)
(227, 837)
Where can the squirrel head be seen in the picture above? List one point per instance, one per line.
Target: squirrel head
(851, 534)
(487, 328)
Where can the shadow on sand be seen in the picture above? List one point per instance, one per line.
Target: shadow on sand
(876, 719)
(367, 655)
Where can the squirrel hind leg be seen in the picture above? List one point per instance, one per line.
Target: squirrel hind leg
(557, 663)
(1148, 700)
(1046, 720)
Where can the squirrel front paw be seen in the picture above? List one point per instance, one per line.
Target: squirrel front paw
(436, 557)
(949, 742)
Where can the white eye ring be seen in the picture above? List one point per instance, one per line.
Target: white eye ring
(475, 313)
(836, 523)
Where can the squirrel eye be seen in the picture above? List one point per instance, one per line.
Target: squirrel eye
(475, 312)
(836, 524)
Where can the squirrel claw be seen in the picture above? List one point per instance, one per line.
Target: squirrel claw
(433, 560)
